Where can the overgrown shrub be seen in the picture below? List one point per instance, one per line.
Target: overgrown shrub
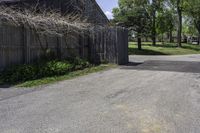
(19, 73)
(80, 63)
(54, 68)
(42, 69)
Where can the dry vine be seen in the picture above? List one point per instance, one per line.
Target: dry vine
(45, 23)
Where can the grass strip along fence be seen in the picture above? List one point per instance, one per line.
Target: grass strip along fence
(44, 72)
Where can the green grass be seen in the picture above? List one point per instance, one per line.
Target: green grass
(163, 49)
(71, 75)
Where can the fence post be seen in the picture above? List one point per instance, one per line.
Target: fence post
(27, 41)
(59, 47)
(81, 46)
(122, 46)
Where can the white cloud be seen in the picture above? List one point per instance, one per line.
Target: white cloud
(109, 15)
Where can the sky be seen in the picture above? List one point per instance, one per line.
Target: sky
(107, 6)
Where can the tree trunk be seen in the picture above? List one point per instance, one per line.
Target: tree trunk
(154, 24)
(179, 33)
(146, 39)
(199, 39)
(170, 37)
(162, 39)
(139, 43)
(197, 25)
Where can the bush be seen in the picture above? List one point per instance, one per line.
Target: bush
(54, 68)
(42, 69)
(19, 73)
(80, 64)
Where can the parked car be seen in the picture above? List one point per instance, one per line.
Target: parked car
(193, 40)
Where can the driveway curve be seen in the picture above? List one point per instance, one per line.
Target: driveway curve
(146, 96)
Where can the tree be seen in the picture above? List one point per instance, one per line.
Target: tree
(133, 15)
(154, 6)
(161, 24)
(178, 6)
(165, 23)
(189, 28)
(193, 11)
(171, 22)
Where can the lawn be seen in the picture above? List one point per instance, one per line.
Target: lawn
(163, 49)
(71, 75)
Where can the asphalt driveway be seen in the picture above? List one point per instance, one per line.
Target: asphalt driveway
(149, 95)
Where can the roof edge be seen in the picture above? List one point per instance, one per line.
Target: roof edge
(101, 11)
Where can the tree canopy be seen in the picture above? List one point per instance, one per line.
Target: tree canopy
(151, 18)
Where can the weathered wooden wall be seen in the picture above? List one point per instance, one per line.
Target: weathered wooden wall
(87, 9)
(109, 44)
(20, 45)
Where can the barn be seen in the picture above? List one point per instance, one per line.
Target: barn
(22, 43)
(88, 9)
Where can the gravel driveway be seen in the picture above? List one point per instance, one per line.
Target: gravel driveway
(150, 95)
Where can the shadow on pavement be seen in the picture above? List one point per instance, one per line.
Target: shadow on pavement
(135, 51)
(5, 86)
(157, 65)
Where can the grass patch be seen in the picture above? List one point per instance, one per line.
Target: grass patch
(47, 71)
(163, 49)
(71, 75)
(42, 69)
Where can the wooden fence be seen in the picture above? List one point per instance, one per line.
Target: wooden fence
(109, 44)
(19, 45)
